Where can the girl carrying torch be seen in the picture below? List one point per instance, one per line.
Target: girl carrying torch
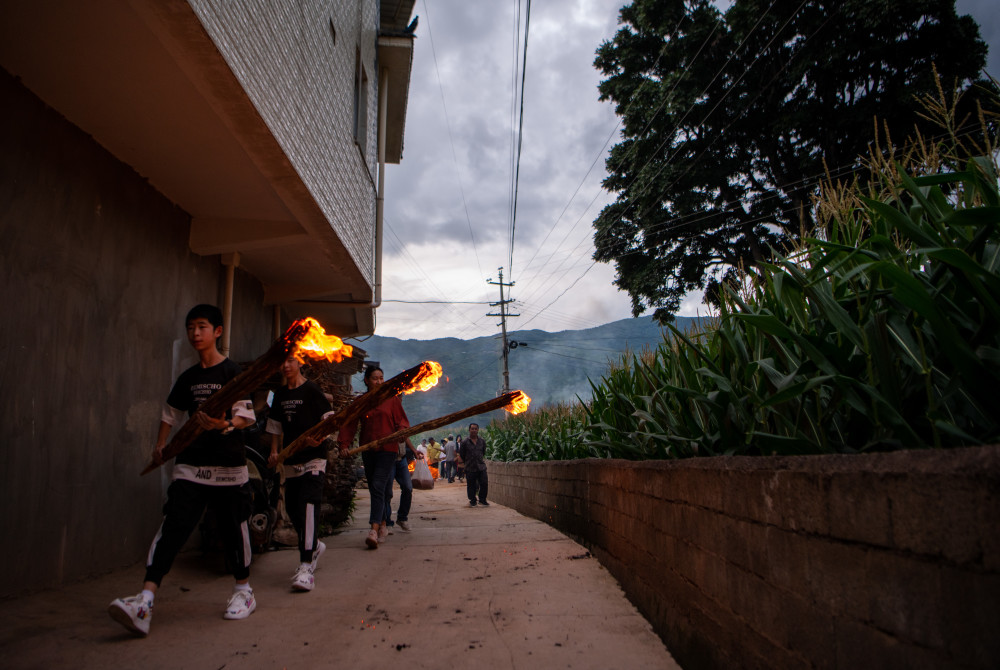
(380, 464)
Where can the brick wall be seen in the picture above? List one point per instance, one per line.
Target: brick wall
(872, 561)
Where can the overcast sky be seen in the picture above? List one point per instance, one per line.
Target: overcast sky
(448, 203)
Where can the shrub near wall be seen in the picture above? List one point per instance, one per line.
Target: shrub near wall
(840, 561)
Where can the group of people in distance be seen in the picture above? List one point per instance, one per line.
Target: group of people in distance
(444, 456)
(212, 471)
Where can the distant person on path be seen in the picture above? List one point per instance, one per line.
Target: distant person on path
(212, 471)
(298, 406)
(434, 454)
(473, 454)
(459, 464)
(380, 464)
(450, 448)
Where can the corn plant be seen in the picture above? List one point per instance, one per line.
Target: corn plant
(881, 331)
(548, 433)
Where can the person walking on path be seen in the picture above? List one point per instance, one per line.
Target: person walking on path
(450, 448)
(211, 472)
(299, 405)
(434, 455)
(473, 454)
(380, 464)
(402, 476)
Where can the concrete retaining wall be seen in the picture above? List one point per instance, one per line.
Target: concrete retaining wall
(874, 561)
(97, 276)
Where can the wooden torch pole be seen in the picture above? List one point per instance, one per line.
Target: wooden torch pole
(400, 435)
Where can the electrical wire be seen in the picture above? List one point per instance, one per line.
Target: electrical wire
(666, 98)
(520, 140)
(579, 358)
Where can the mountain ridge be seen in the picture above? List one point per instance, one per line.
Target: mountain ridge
(551, 367)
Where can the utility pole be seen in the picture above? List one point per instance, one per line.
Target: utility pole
(503, 325)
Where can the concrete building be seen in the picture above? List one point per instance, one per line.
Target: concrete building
(156, 154)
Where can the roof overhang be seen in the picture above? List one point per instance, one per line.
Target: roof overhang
(395, 56)
(146, 81)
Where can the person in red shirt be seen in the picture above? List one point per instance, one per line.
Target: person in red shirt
(380, 464)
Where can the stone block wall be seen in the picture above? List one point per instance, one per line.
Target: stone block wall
(879, 561)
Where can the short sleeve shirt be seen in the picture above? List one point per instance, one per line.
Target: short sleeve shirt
(193, 387)
(294, 411)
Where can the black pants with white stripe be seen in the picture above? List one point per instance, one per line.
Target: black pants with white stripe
(186, 502)
(303, 497)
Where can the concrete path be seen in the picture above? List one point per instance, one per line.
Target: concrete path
(469, 587)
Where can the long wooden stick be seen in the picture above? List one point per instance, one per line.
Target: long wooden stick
(357, 408)
(400, 435)
(235, 389)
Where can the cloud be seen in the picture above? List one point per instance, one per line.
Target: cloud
(457, 170)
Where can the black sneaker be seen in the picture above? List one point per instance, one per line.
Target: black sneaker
(484, 503)
(472, 503)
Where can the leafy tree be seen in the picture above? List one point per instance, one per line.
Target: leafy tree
(730, 120)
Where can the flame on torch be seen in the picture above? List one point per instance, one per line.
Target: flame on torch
(317, 344)
(519, 403)
(430, 373)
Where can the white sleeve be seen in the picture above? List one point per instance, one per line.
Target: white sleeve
(273, 427)
(244, 408)
(171, 415)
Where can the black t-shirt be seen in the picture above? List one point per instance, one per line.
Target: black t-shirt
(193, 387)
(298, 410)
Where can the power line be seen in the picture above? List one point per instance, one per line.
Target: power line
(699, 125)
(684, 116)
(442, 302)
(666, 98)
(579, 358)
(560, 295)
(628, 107)
(520, 139)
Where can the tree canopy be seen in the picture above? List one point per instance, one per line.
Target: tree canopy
(730, 121)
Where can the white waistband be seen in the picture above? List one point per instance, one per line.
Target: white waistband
(315, 465)
(212, 475)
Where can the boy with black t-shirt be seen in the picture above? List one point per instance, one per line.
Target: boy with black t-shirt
(211, 471)
(297, 406)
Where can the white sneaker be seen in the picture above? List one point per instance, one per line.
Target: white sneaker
(241, 605)
(383, 532)
(320, 548)
(404, 526)
(372, 539)
(303, 579)
(134, 613)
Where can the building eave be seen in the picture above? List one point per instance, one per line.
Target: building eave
(146, 81)
(395, 54)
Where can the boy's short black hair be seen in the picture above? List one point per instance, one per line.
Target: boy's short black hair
(370, 370)
(209, 312)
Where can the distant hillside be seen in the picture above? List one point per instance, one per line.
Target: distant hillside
(549, 367)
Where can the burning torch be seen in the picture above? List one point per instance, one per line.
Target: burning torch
(514, 402)
(418, 378)
(305, 337)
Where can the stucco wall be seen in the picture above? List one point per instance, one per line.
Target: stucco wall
(873, 561)
(96, 280)
(301, 80)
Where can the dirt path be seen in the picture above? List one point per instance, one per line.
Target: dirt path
(475, 588)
